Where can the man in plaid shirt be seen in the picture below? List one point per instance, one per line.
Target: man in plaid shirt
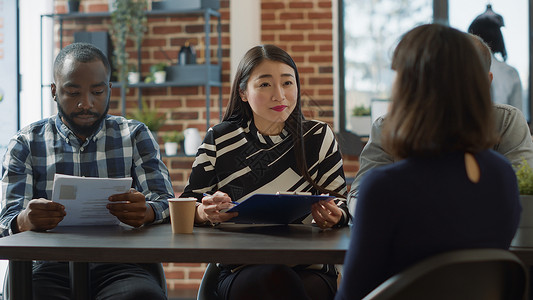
(83, 140)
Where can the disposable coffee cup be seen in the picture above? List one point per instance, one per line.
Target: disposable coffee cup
(182, 212)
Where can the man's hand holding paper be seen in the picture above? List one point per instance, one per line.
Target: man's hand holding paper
(131, 208)
(40, 215)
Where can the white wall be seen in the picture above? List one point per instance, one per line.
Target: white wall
(245, 29)
(30, 55)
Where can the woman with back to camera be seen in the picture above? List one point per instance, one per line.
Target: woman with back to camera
(265, 145)
(449, 190)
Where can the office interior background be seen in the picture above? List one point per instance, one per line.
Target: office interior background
(342, 49)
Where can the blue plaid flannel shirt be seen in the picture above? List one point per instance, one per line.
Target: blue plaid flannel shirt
(120, 148)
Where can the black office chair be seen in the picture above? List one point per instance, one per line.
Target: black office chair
(464, 274)
(156, 269)
(208, 286)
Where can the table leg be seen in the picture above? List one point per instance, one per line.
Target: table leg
(79, 280)
(20, 280)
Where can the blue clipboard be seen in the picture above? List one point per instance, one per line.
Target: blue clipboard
(274, 208)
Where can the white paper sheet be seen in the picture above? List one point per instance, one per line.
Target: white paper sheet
(85, 198)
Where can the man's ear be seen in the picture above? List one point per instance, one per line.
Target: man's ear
(491, 76)
(53, 91)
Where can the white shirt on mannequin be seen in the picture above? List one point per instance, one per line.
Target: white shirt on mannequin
(506, 87)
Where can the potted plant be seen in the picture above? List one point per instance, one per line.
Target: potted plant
(73, 6)
(158, 73)
(148, 116)
(128, 22)
(133, 75)
(361, 121)
(524, 176)
(172, 140)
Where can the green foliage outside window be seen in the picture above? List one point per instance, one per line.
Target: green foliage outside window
(361, 110)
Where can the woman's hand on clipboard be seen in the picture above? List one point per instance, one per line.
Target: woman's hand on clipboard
(210, 209)
(326, 214)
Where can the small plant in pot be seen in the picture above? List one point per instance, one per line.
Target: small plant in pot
(360, 120)
(524, 176)
(158, 73)
(133, 75)
(172, 141)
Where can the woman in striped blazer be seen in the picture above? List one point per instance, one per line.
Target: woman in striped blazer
(265, 145)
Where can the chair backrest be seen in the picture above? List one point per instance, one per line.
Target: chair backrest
(464, 274)
(208, 286)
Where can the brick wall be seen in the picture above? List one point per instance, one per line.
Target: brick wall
(304, 28)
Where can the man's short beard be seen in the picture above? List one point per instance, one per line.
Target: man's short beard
(85, 131)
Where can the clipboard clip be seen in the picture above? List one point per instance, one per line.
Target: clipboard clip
(293, 193)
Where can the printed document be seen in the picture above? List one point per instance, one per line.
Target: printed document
(85, 198)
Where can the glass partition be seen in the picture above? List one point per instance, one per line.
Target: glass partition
(371, 31)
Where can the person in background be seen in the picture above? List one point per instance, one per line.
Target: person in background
(506, 87)
(448, 190)
(83, 140)
(264, 145)
(514, 141)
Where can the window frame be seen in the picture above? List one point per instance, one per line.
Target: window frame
(440, 15)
